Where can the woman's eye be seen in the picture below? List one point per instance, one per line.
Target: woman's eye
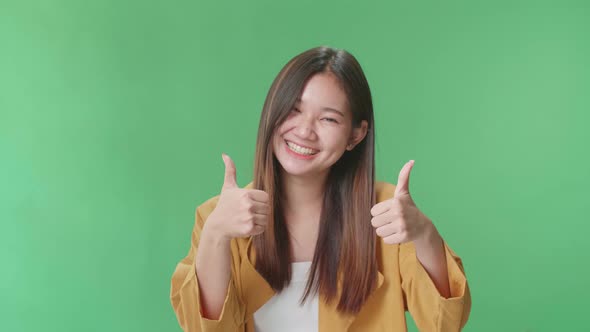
(296, 110)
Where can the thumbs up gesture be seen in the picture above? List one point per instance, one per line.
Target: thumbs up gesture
(398, 220)
(239, 212)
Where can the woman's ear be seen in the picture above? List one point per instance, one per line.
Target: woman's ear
(357, 135)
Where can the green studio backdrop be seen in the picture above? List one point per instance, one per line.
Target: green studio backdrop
(114, 115)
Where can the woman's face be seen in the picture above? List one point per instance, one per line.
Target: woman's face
(318, 129)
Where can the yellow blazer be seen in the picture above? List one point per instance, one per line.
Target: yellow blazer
(403, 284)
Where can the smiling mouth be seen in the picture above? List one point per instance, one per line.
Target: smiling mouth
(301, 150)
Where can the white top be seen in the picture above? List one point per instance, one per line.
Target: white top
(283, 312)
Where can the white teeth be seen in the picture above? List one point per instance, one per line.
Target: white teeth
(300, 149)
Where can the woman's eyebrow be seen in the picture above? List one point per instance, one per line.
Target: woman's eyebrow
(325, 108)
(328, 109)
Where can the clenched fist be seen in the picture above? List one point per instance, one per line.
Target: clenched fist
(239, 212)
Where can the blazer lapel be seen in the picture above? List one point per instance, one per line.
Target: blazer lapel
(332, 320)
(256, 291)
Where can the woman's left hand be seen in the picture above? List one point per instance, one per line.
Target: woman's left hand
(398, 220)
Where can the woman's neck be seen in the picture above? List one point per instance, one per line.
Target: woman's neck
(302, 197)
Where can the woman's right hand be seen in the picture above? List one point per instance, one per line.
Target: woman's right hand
(239, 212)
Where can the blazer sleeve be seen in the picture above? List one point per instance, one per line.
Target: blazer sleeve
(430, 310)
(184, 292)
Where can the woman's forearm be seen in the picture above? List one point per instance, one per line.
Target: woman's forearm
(430, 252)
(213, 269)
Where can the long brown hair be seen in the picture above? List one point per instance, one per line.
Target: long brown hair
(346, 240)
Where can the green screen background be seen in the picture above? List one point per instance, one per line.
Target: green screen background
(114, 115)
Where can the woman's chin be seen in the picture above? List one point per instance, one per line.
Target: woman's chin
(303, 172)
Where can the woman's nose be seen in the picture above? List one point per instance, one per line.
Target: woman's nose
(304, 127)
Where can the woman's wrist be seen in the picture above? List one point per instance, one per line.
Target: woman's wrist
(213, 235)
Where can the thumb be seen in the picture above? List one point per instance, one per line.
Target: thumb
(403, 180)
(229, 181)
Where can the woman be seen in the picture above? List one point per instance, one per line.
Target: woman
(314, 243)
